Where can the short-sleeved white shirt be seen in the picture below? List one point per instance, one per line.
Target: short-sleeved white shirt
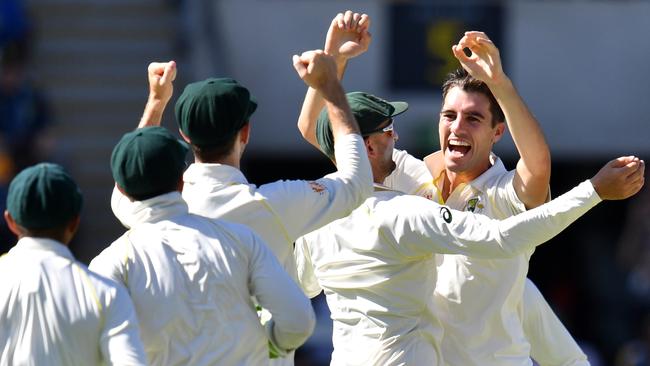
(54, 311)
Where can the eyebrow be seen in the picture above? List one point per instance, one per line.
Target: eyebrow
(470, 113)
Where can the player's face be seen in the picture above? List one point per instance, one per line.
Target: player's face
(466, 132)
(383, 143)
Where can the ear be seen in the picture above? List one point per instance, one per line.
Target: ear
(370, 148)
(245, 133)
(12, 224)
(500, 129)
(187, 139)
(71, 229)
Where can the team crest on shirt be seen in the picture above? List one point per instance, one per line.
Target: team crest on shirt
(473, 204)
(317, 187)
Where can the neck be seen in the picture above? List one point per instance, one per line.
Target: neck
(451, 181)
(231, 159)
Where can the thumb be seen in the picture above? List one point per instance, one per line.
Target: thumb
(299, 65)
(169, 73)
(623, 161)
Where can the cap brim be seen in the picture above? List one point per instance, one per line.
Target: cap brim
(400, 107)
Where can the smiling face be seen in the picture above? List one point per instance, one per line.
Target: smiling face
(467, 133)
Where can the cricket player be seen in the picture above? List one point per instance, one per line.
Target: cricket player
(377, 266)
(191, 278)
(492, 289)
(53, 310)
(214, 117)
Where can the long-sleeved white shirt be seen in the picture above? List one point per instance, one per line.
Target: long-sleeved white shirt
(54, 311)
(377, 268)
(191, 279)
(279, 212)
(480, 300)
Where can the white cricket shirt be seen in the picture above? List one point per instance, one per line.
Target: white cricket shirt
(377, 268)
(480, 299)
(191, 279)
(54, 311)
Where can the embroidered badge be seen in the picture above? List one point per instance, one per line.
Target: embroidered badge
(473, 204)
(317, 187)
(445, 213)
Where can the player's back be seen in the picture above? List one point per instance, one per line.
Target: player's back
(52, 308)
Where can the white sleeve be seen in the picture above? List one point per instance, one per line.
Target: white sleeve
(551, 343)
(293, 318)
(422, 226)
(306, 275)
(112, 261)
(410, 175)
(120, 339)
(305, 206)
(123, 208)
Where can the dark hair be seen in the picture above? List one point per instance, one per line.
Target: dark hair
(209, 154)
(462, 79)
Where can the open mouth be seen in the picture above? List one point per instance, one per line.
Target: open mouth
(458, 147)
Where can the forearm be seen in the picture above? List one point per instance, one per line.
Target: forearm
(524, 128)
(153, 112)
(341, 118)
(481, 237)
(312, 107)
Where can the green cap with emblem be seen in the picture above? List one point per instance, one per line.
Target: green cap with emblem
(370, 112)
(148, 162)
(43, 196)
(211, 111)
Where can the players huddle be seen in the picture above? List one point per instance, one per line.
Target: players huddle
(422, 262)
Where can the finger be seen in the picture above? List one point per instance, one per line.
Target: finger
(339, 20)
(169, 73)
(364, 22)
(355, 21)
(459, 53)
(156, 68)
(299, 65)
(347, 18)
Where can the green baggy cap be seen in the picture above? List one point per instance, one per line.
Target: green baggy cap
(370, 112)
(211, 111)
(148, 162)
(43, 196)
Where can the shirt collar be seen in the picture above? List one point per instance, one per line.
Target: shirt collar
(159, 208)
(436, 165)
(213, 174)
(29, 243)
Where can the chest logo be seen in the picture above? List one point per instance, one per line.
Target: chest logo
(445, 213)
(473, 204)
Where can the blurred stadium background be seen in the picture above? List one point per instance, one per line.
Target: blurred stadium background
(73, 80)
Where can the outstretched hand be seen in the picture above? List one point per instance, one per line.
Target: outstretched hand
(161, 77)
(348, 35)
(620, 178)
(485, 61)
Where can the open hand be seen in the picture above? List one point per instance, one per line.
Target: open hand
(620, 178)
(348, 35)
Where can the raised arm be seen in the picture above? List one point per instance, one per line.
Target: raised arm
(438, 229)
(533, 172)
(161, 76)
(318, 70)
(347, 37)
